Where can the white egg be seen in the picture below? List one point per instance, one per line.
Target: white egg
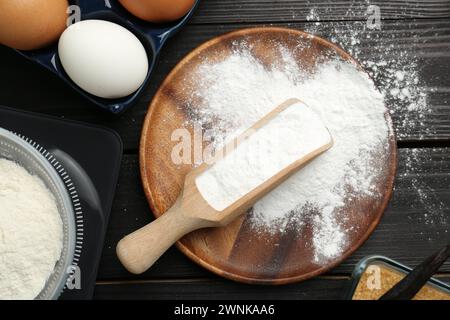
(103, 58)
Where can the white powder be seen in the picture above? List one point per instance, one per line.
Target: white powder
(400, 71)
(31, 233)
(289, 136)
(235, 93)
(395, 67)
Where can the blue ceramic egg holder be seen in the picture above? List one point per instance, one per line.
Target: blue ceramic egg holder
(152, 36)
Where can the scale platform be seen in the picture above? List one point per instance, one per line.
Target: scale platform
(92, 157)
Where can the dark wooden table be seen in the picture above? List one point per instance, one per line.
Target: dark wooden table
(405, 233)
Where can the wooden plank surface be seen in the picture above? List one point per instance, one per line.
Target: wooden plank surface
(416, 223)
(26, 86)
(320, 288)
(226, 11)
(207, 289)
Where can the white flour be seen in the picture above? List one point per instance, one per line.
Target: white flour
(390, 63)
(31, 233)
(291, 135)
(237, 92)
(400, 71)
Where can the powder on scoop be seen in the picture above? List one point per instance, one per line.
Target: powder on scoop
(289, 136)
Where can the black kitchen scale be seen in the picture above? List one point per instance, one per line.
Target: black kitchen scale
(91, 156)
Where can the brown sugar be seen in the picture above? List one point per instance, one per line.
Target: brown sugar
(377, 279)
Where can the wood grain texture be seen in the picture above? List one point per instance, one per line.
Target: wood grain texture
(321, 288)
(205, 289)
(427, 39)
(411, 228)
(226, 11)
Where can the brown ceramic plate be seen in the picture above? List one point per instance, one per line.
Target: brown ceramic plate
(238, 252)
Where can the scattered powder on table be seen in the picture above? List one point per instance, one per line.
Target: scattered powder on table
(393, 66)
(289, 136)
(235, 93)
(31, 233)
(390, 55)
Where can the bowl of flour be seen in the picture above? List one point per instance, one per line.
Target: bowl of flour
(37, 226)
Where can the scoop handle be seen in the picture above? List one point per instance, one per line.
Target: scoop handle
(139, 250)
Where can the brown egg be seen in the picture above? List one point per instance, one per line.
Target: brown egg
(31, 24)
(158, 10)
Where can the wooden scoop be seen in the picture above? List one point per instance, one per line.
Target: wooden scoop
(141, 249)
